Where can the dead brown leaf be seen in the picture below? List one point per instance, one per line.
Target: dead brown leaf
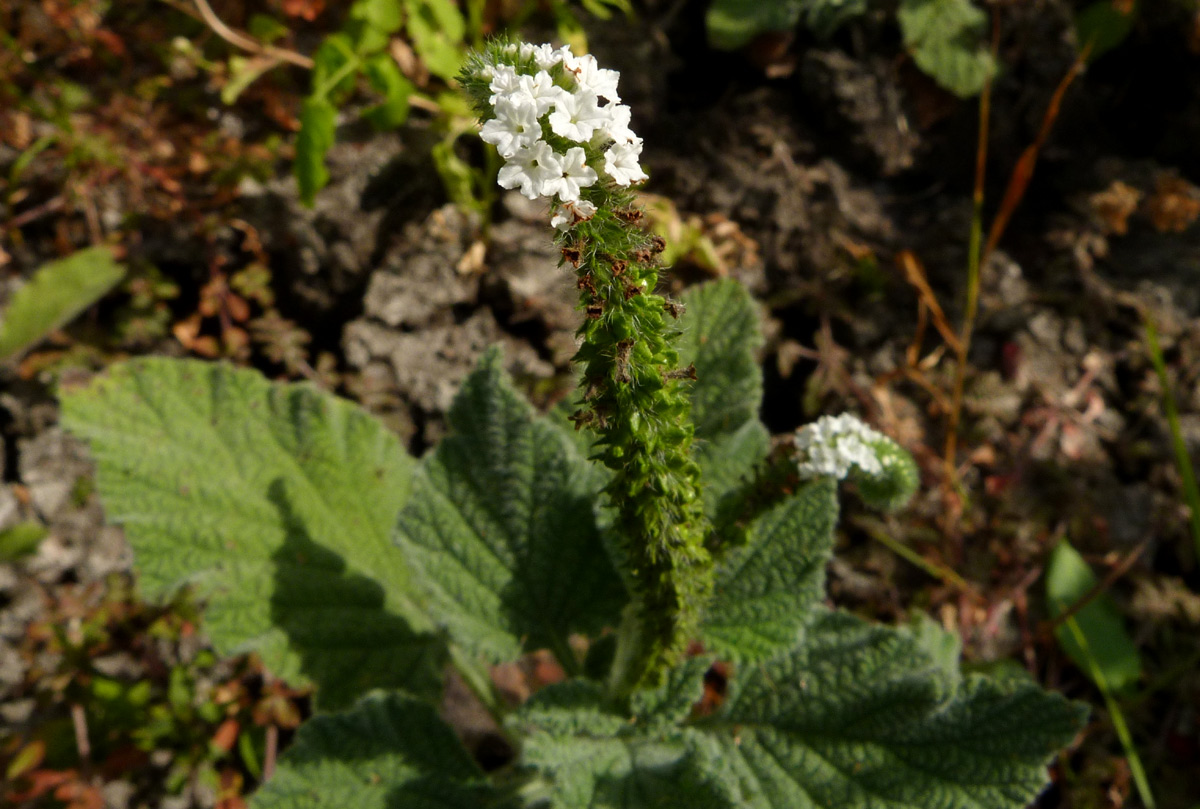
(304, 9)
(1174, 205)
(1114, 205)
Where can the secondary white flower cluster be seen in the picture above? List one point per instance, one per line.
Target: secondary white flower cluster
(833, 445)
(588, 113)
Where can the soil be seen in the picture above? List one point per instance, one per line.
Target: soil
(813, 165)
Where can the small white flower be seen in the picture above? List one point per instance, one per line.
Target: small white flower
(621, 163)
(533, 169)
(514, 127)
(570, 214)
(578, 115)
(505, 82)
(834, 445)
(544, 56)
(618, 125)
(590, 76)
(576, 174)
(540, 90)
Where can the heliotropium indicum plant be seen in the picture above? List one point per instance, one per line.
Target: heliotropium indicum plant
(650, 536)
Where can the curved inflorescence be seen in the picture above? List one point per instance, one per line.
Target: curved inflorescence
(843, 446)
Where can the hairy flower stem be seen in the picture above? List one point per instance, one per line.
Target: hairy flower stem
(636, 402)
(558, 122)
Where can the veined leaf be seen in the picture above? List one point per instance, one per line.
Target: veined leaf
(858, 716)
(1069, 579)
(945, 38)
(388, 751)
(55, 295)
(276, 502)
(766, 589)
(501, 532)
(334, 66)
(595, 758)
(720, 335)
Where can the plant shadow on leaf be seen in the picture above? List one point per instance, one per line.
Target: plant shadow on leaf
(346, 636)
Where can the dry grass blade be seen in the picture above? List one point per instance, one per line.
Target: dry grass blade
(914, 274)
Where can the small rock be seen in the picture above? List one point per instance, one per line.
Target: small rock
(51, 464)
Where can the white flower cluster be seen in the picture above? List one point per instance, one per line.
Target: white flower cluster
(590, 114)
(833, 445)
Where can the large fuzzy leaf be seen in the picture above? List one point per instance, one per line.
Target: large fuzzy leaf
(858, 716)
(501, 529)
(389, 751)
(56, 293)
(766, 589)
(277, 503)
(720, 336)
(594, 758)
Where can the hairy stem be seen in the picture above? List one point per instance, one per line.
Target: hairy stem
(636, 402)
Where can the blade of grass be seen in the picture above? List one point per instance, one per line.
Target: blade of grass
(974, 261)
(1014, 192)
(1140, 781)
(1191, 493)
(878, 532)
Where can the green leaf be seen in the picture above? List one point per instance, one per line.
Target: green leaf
(437, 29)
(733, 23)
(266, 28)
(1069, 579)
(317, 120)
(859, 717)
(501, 531)
(671, 703)
(334, 67)
(20, 540)
(1103, 25)
(603, 9)
(595, 758)
(945, 38)
(276, 503)
(388, 751)
(824, 17)
(55, 295)
(766, 589)
(371, 24)
(385, 77)
(728, 461)
(942, 647)
(720, 337)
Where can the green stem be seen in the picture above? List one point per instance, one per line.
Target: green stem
(1191, 492)
(1140, 781)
